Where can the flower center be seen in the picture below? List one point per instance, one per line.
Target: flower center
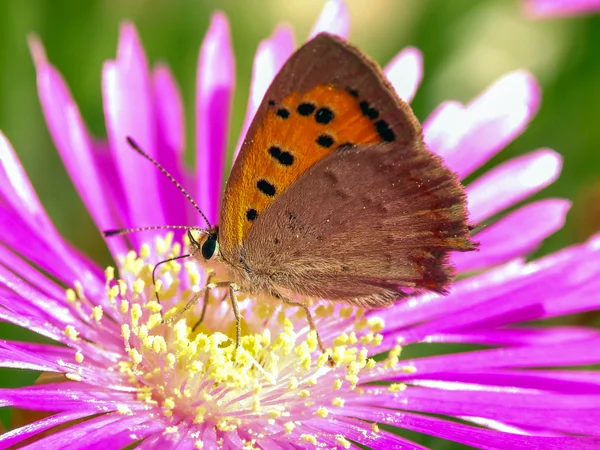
(193, 371)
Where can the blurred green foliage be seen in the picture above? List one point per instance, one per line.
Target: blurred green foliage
(466, 44)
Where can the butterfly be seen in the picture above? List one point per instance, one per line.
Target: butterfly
(334, 194)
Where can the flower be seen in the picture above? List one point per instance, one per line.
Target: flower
(553, 8)
(126, 377)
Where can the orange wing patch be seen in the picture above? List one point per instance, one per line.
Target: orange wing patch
(296, 133)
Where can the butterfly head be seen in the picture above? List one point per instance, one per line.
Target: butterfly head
(207, 246)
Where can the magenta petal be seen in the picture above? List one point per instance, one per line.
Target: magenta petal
(494, 119)
(519, 336)
(67, 396)
(512, 182)
(119, 434)
(576, 414)
(271, 54)
(129, 111)
(82, 435)
(445, 127)
(557, 8)
(334, 19)
(474, 436)
(405, 72)
(17, 435)
(171, 143)
(214, 93)
(524, 229)
(73, 142)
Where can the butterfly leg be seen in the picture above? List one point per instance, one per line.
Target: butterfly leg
(311, 323)
(188, 305)
(233, 289)
(205, 303)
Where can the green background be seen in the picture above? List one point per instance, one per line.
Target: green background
(466, 44)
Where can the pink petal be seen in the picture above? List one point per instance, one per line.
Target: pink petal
(520, 336)
(405, 72)
(473, 436)
(494, 119)
(83, 434)
(555, 8)
(214, 93)
(171, 143)
(511, 182)
(129, 111)
(270, 56)
(73, 143)
(567, 413)
(334, 19)
(17, 435)
(515, 235)
(445, 127)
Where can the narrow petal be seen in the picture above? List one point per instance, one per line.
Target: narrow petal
(119, 434)
(17, 435)
(170, 143)
(567, 382)
(445, 127)
(83, 434)
(405, 72)
(494, 118)
(520, 336)
(214, 93)
(525, 229)
(73, 143)
(512, 182)
(475, 436)
(543, 410)
(67, 396)
(556, 8)
(361, 432)
(334, 19)
(270, 56)
(129, 111)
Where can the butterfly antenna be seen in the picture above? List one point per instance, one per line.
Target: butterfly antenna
(137, 148)
(118, 232)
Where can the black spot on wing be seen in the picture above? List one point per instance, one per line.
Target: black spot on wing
(283, 157)
(306, 109)
(325, 140)
(324, 116)
(384, 130)
(283, 113)
(367, 111)
(251, 214)
(266, 188)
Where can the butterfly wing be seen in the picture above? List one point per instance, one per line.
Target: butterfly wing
(334, 194)
(362, 225)
(327, 96)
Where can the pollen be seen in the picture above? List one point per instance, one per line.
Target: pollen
(71, 332)
(97, 313)
(310, 438)
(124, 410)
(184, 367)
(74, 376)
(322, 412)
(71, 296)
(342, 441)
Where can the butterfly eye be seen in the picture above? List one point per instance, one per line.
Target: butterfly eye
(210, 247)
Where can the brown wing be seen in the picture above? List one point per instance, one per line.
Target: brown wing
(328, 95)
(362, 225)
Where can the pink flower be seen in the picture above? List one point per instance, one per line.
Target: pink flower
(135, 379)
(553, 8)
